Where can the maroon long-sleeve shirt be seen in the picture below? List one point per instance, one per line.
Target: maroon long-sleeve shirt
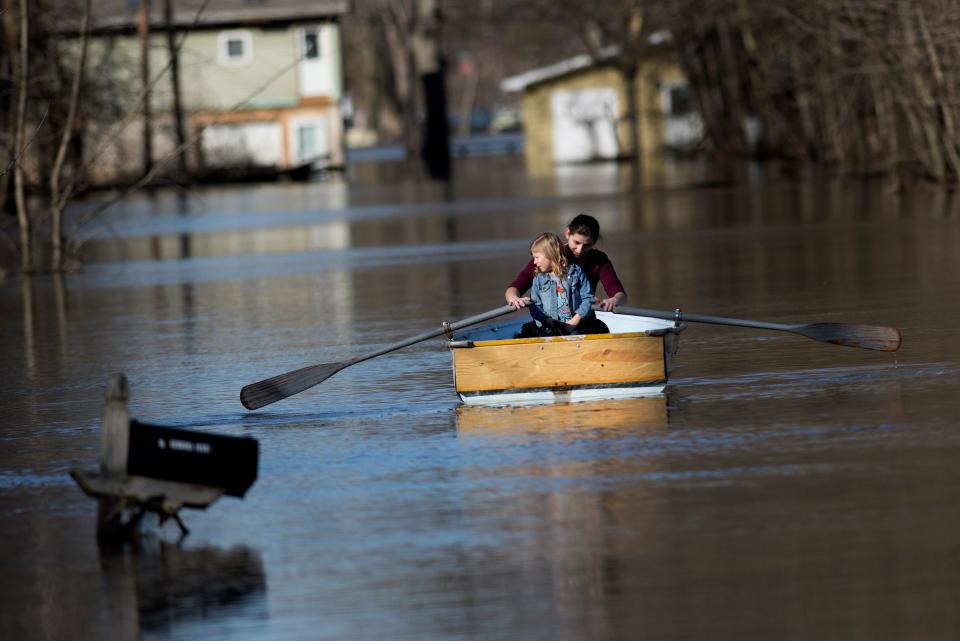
(596, 265)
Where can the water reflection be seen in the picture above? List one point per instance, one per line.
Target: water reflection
(44, 316)
(594, 419)
(163, 589)
(765, 499)
(560, 476)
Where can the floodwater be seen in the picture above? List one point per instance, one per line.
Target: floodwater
(781, 488)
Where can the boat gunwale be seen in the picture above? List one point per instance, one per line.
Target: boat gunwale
(561, 389)
(662, 331)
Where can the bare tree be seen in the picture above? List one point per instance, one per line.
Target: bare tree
(61, 192)
(395, 47)
(143, 33)
(22, 67)
(173, 53)
(55, 101)
(616, 33)
(867, 86)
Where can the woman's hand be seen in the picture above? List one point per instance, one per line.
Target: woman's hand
(607, 304)
(517, 302)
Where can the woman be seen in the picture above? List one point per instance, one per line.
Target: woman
(581, 234)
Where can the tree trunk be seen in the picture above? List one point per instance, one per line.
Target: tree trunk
(731, 85)
(178, 127)
(944, 108)
(435, 143)
(23, 215)
(7, 69)
(633, 115)
(399, 22)
(143, 31)
(60, 194)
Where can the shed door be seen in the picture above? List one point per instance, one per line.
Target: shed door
(584, 124)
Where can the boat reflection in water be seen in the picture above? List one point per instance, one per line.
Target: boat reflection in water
(162, 587)
(648, 414)
(573, 489)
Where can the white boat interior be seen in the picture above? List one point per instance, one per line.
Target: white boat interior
(617, 323)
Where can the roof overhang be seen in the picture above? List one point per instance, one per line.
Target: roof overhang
(522, 81)
(122, 17)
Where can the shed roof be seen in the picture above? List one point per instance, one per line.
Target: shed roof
(526, 79)
(523, 80)
(121, 15)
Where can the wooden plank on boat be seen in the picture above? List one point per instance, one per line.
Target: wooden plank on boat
(569, 361)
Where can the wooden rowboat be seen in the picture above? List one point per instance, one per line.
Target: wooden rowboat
(491, 367)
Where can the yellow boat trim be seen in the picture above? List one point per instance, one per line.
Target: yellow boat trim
(558, 339)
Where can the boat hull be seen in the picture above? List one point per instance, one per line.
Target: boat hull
(566, 368)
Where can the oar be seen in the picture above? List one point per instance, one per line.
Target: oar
(271, 390)
(885, 339)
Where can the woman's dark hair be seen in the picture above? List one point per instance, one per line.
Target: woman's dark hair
(585, 225)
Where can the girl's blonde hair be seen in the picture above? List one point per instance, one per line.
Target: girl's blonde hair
(554, 249)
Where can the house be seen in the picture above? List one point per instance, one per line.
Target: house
(260, 81)
(574, 111)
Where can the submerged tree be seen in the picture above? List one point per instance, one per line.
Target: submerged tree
(65, 116)
(43, 156)
(869, 87)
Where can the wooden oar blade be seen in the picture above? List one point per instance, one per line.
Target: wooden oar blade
(884, 339)
(257, 395)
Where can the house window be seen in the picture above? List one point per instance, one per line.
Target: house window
(310, 44)
(235, 48)
(681, 102)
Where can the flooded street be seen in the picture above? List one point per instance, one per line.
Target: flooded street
(781, 489)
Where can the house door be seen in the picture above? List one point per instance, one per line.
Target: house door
(311, 62)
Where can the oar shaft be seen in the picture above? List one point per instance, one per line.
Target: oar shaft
(885, 339)
(701, 318)
(419, 338)
(271, 390)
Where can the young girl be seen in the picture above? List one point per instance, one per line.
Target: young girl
(582, 234)
(562, 295)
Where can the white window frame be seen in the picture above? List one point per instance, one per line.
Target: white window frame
(223, 50)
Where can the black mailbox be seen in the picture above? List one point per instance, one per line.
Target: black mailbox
(186, 456)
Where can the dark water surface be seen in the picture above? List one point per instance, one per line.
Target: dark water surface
(782, 489)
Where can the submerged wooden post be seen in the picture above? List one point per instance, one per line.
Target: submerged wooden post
(115, 432)
(113, 520)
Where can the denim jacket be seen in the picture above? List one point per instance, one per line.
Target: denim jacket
(544, 295)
